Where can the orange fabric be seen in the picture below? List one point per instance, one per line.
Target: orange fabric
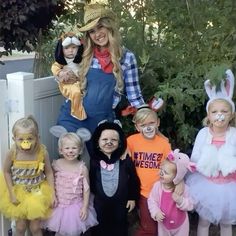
(73, 93)
(56, 68)
(147, 155)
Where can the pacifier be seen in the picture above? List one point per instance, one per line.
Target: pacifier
(219, 117)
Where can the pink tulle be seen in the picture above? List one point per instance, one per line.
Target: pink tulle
(67, 222)
(215, 202)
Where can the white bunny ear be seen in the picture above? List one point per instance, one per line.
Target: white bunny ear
(57, 130)
(229, 84)
(84, 134)
(210, 90)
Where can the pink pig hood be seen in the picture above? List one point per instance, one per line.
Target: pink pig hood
(183, 164)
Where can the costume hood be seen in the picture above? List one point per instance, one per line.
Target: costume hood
(183, 164)
(64, 40)
(98, 155)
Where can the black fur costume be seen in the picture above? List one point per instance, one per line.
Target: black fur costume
(112, 211)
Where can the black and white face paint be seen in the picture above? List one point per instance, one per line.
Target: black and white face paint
(219, 117)
(149, 131)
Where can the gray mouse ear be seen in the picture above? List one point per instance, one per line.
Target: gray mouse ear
(57, 130)
(84, 134)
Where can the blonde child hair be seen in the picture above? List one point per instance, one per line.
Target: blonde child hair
(232, 122)
(114, 48)
(73, 137)
(142, 114)
(26, 123)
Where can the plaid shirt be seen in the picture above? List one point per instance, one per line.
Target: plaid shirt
(131, 81)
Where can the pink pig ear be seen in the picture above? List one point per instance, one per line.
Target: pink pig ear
(171, 156)
(192, 167)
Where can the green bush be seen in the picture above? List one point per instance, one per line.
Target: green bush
(179, 44)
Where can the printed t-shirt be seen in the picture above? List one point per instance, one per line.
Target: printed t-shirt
(147, 155)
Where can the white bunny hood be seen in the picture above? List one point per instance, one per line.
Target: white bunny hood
(225, 92)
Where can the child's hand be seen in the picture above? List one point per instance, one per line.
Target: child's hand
(67, 76)
(179, 188)
(177, 198)
(159, 217)
(84, 213)
(13, 199)
(130, 205)
(62, 76)
(72, 77)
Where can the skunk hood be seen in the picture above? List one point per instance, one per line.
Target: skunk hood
(97, 154)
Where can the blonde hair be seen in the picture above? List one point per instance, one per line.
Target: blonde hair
(114, 48)
(72, 137)
(206, 122)
(173, 169)
(173, 165)
(142, 114)
(30, 125)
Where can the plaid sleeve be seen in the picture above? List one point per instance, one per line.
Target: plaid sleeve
(131, 80)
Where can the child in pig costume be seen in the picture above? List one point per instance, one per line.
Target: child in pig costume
(167, 207)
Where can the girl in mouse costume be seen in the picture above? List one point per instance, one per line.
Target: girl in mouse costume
(167, 207)
(68, 55)
(73, 212)
(108, 70)
(113, 180)
(213, 186)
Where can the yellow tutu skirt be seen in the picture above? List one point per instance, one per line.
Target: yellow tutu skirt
(34, 203)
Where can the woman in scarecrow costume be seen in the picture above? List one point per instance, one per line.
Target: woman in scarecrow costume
(107, 71)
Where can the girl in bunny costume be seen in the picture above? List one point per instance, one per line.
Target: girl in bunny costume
(167, 207)
(73, 212)
(213, 186)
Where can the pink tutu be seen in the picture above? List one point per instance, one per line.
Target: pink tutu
(215, 202)
(67, 222)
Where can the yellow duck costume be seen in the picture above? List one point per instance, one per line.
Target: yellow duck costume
(30, 187)
(70, 90)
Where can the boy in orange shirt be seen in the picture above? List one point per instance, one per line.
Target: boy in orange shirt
(148, 149)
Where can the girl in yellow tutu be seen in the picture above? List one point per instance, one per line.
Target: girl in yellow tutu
(27, 191)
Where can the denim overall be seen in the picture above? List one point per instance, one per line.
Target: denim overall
(97, 102)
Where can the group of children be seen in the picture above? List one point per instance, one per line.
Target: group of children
(123, 172)
(140, 169)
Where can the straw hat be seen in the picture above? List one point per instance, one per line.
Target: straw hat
(93, 13)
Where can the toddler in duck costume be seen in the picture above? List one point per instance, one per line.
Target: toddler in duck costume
(27, 191)
(68, 55)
